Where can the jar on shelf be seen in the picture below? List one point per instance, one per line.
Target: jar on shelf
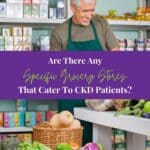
(140, 44)
(140, 13)
(147, 13)
(147, 45)
(122, 44)
(130, 44)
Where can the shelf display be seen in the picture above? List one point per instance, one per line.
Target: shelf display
(16, 38)
(21, 21)
(32, 9)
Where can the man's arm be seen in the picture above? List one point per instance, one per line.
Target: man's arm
(111, 41)
(116, 49)
(55, 42)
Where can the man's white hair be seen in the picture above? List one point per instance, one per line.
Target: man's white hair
(78, 2)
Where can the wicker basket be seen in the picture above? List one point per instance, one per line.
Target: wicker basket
(52, 137)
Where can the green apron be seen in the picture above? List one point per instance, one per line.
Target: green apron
(90, 45)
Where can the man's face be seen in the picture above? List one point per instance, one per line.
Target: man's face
(84, 12)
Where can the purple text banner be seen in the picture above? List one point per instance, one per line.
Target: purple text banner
(74, 75)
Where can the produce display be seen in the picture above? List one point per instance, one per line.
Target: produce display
(64, 119)
(140, 108)
(61, 129)
(92, 146)
(34, 146)
(141, 13)
(63, 146)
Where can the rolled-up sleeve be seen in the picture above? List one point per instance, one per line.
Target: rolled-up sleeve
(111, 41)
(55, 42)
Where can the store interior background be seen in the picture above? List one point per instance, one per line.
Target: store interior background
(103, 6)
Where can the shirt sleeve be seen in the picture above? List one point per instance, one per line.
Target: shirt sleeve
(55, 42)
(111, 41)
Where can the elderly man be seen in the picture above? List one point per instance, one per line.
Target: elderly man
(82, 32)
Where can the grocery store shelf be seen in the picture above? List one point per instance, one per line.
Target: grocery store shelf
(128, 123)
(56, 21)
(16, 129)
(130, 23)
(31, 21)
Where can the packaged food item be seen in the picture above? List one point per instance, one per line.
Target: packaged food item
(27, 1)
(44, 11)
(130, 44)
(17, 31)
(147, 45)
(35, 11)
(50, 114)
(30, 119)
(44, 40)
(18, 40)
(9, 40)
(147, 13)
(44, 47)
(18, 10)
(40, 117)
(2, 47)
(19, 119)
(42, 107)
(147, 145)
(27, 40)
(18, 47)
(9, 119)
(2, 40)
(10, 1)
(10, 11)
(35, 1)
(122, 44)
(2, 9)
(60, 9)
(6, 31)
(44, 43)
(140, 44)
(52, 13)
(27, 31)
(147, 138)
(21, 104)
(1, 119)
(44, 1)
(140, 13)
(25, 137)
(27, 47)
(18, 1)
(4, 136)
(27, 10)
(120, 146)
(9, 48)
(119, 136)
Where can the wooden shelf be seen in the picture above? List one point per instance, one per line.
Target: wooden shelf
(15, 129)
(31, 21)
(128, 123)
(129, 23)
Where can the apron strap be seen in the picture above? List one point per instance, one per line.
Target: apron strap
(69, 32)
(70, 27)
(94, 30)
